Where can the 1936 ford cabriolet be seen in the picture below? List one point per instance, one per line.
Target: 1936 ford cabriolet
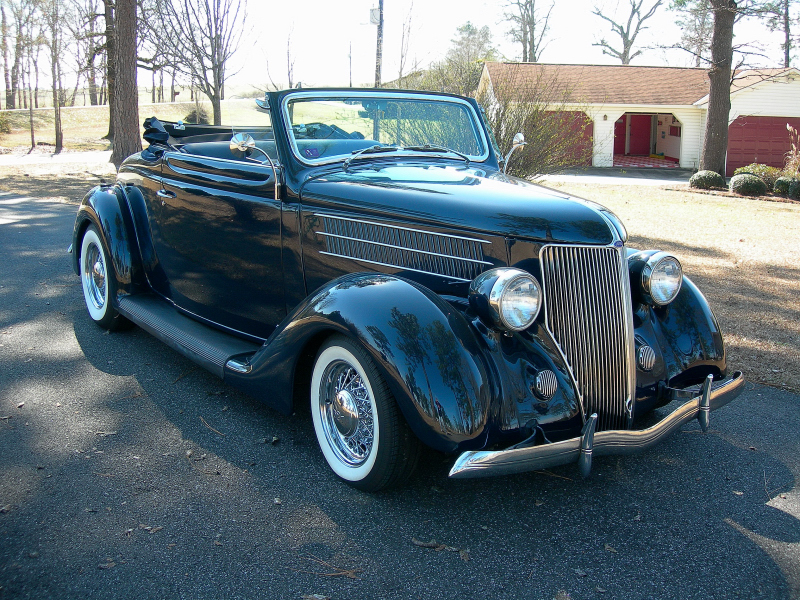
(364, 251)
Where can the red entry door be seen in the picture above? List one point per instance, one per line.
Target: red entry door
(641, 128)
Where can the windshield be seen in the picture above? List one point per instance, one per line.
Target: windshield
(324, 128)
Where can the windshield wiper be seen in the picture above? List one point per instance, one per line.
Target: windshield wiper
(432, 148)
(376, 149)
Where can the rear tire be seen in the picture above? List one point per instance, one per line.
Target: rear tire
(359, 427)
(98, 281)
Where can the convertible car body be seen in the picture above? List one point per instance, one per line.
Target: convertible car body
(364, 252)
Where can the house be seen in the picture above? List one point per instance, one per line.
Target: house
(655, 116)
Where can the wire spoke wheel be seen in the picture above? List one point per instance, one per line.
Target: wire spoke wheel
(98, 281)
(360, 430)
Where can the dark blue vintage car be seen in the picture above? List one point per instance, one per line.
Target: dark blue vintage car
(363, 251)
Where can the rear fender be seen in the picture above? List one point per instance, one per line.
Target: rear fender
(106, 208)
(424, 348)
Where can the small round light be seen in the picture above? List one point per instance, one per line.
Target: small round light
(662, 276)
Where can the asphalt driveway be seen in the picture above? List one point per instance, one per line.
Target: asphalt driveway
(126, 472)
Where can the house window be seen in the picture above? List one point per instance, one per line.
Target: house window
(674, 131)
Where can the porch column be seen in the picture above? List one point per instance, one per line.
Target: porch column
(603, 152)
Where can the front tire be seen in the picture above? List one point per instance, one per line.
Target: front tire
(97, 280)
(359, 427)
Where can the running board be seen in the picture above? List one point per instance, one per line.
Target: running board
(208, 347)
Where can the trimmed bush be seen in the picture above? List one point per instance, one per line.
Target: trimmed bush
(706, 180)
(781, 186)
(5, 125)
(747, 184)
(197, 117)
(794, 189)
(767, 174)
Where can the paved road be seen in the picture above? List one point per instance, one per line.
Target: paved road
(115, 484)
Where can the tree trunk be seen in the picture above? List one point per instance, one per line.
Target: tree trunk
(715, 143)
(30, 110)
(125, 107)
(379, 50)
(787, 42)
(54, 57)
(92, 82)
(15, 69)
(4, 41)
(111, 61)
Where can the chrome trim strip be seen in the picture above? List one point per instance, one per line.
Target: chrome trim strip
(363, 241)
(520, 460)
(372, 262)
(359, 221)
(454, 257)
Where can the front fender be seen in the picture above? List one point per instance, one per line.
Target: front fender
(424, 348)
(107, 209)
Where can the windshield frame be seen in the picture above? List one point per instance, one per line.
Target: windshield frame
(475, 119)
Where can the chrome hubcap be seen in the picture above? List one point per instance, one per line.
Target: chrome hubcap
(94, 276)
(346, 412)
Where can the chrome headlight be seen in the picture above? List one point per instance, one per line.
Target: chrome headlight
(662, 276)
(506, 298)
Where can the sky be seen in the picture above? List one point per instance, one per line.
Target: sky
(324, 35)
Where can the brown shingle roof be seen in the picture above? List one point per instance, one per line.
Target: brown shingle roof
(601, 84)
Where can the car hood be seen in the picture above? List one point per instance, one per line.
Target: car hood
(464, 198)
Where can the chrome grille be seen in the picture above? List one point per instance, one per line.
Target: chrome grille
(587, 310)
(450, 256)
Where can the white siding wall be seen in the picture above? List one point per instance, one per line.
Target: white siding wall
(691, 136)
(771, 98)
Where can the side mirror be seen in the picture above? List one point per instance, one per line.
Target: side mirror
(517, 142)
(243, 142)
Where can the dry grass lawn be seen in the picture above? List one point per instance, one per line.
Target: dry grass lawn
(744, 254)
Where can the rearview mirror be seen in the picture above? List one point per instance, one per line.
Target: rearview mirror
(242, 142)
(517, 142)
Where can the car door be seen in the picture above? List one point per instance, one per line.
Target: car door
(219, 241)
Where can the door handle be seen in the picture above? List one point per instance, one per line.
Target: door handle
(164, 194)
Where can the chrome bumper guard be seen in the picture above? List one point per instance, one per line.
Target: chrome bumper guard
(712, 396)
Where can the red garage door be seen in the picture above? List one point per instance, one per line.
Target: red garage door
(581, 133)
(758, 140)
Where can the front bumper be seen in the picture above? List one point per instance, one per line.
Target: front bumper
(712, 396)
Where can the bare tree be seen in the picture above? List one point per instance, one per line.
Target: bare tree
(779, 18)
(111, 61)
(715, 142)
(4, 42)
(52, 14)
(546, 111)
(125, 110)
(529, 26)
(201, 36)
(696, 22)
(379, 46)
(460, 71)
(89, 41)
(405, 40)
(627, 30)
